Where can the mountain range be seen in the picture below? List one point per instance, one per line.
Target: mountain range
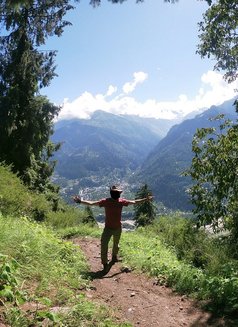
(132, 148)
(105, 142)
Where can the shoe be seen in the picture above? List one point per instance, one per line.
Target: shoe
(114, 259)
(106, 268)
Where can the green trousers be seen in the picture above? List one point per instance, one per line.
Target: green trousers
(105, 239)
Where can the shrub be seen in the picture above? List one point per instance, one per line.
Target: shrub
(67, 217)
(191, 244)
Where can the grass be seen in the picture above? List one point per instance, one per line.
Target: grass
(180, 256)
(69, 217)
(87, 314)
(43, 257)
(37, 265)
(148, 254)
(82, 230)
(16, 199)
(215, 280)
(39, 268)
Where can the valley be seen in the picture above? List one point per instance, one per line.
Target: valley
(109, 149)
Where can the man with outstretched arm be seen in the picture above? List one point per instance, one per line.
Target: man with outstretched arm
(113, 228)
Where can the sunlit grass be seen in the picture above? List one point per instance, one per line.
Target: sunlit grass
(85, 313)
(43, 257)
(50, 272)
(146, 251)
(80, 231)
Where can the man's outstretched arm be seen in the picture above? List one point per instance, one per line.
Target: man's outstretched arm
(77, 199)
(148, 198)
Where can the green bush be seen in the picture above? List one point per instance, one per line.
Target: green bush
(68, 217)
(223, 288)
(89, 217)
(191, 244)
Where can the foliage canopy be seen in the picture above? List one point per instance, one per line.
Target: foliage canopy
(214, 170)
(219, 36)
(144, 212)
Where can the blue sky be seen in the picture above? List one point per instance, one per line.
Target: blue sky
(136, 59)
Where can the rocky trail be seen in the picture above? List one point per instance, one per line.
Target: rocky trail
(138, 299)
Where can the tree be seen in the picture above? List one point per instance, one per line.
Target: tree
(145, 212)
(219, 36)
(214, 167)
(26, 117)
(15, 3)
(98, 2)
(89, 217)
(214, 170)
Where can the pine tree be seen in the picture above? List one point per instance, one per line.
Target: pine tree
(26, 117)
(89, 216)
(145, 212)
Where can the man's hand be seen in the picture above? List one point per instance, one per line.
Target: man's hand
(77, 199)
(149, 197)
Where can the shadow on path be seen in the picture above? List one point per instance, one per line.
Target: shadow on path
(216, 321)
(101, 273)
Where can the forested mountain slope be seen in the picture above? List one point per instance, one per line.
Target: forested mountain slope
(163, 167)
(105, 142)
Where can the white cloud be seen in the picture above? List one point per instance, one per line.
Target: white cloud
(213, 91)
(139, 77)
(111, 89)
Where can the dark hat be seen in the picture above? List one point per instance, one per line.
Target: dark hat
(114, 188)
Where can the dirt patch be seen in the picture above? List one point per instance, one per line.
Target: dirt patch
(139, 299)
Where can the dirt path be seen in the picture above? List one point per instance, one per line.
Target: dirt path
(138, 299)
